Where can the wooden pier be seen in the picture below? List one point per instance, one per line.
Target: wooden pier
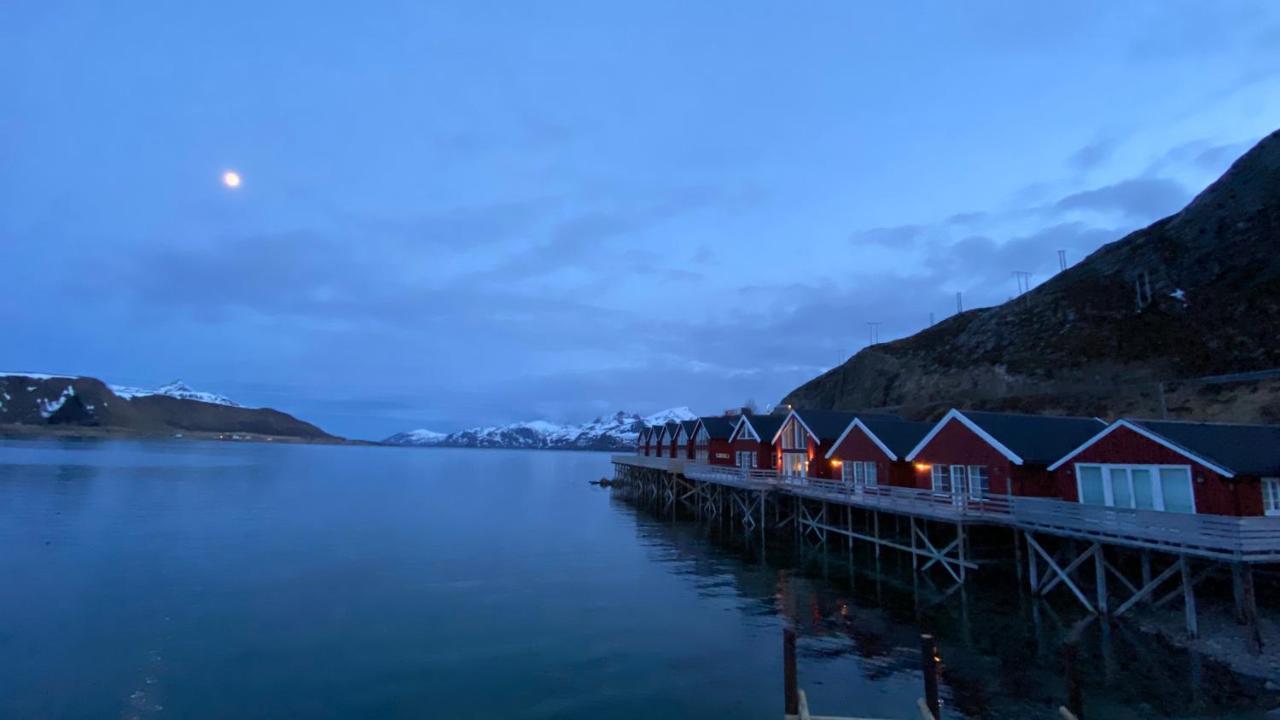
(1110, 560)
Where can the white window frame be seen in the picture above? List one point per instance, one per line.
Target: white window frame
(960, 479)
(1157, 488)
(799, 459)
(859, 474)
(747, 455)
(1271, 506)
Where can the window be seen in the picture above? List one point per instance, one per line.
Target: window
(795, 464)
(1271, 496)
(794, 438)
(858, 473)
(941, 478)
(975, 480)
(746, 459)
(1142, 487)
(979, 481)
(1089, 478)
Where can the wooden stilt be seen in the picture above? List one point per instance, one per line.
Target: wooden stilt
(1032, 571)
(1100, 579)
(1253, 637)
(1188, 597)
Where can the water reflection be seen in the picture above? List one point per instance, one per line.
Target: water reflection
(859, 618)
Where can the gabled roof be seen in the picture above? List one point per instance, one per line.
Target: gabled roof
(764, 426)
(1023, 439)
(643, 435)
(718, 427)
(829, 424)
(894, 437)
(669, 431)
(688, 425)
(1227, 449)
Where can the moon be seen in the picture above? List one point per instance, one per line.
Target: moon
(231, 179)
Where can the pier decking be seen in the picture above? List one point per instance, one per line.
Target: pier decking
(1054, 539)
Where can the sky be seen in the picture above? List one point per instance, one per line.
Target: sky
(474, 212)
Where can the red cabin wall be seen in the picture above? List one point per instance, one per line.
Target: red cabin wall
(1214, 494)
(764, 451)
(956, 444)
(720, 451)
(858, 446)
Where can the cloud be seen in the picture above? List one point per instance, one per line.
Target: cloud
(894, 237)
(1140, 198)
(1093, 154)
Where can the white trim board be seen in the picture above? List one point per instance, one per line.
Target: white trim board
(1150, 435)
(783, 426)
(954, 414)
(744, 420)
(857, 423)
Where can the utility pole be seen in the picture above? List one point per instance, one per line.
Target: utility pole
(873, 333)
(1062, 260)
(930, 319)
(959, 303)
(1023, 279)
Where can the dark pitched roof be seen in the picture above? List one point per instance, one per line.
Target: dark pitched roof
(900, 436)
(1037, 439)
(830, 424)
(1243, 449)
(718, 427)
(766, 426)
(688, 426)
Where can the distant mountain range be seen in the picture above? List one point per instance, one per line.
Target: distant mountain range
(43, 404)
(612, 432)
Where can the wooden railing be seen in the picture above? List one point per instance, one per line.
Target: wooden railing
(1248, 539)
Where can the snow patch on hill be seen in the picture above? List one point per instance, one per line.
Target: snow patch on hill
(175, 389)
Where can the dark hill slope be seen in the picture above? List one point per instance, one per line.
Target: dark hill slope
(82, 405)
(1093, 339)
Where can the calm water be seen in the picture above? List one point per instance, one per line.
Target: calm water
(188, 580)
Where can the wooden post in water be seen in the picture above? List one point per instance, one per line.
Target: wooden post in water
(790, 698)
(929, 666)
(1075, 699)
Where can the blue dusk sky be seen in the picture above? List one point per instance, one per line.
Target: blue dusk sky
(478, 212)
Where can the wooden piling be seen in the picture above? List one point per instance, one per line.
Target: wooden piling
(1070, 671)
(789, 687)
(929, 667)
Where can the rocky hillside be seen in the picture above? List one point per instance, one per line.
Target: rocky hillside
(612, 432)
(57, 404)
(1194, 294)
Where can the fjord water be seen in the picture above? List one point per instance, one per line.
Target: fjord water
(200, 580)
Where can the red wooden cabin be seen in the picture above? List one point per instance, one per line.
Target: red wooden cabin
(684, 439)
(751, 441)
(805, 437)
(671, 440)
(873, 451)
(642, 441)
(979, 453)
(711, 440)
(1205, 468)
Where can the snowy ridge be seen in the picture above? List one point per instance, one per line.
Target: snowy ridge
(610, 432)
(176, 389)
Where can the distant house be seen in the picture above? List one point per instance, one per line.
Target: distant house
(873, 451)
(1190, 467)
(805, 437)
(711, 440)
(684, 439)
(643, 440)
(977, 453)
(751, 441)
(670, 439)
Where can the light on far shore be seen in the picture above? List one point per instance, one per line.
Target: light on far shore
(231, 179)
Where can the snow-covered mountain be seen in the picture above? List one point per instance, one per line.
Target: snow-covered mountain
(175, 389)
(611, 432)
